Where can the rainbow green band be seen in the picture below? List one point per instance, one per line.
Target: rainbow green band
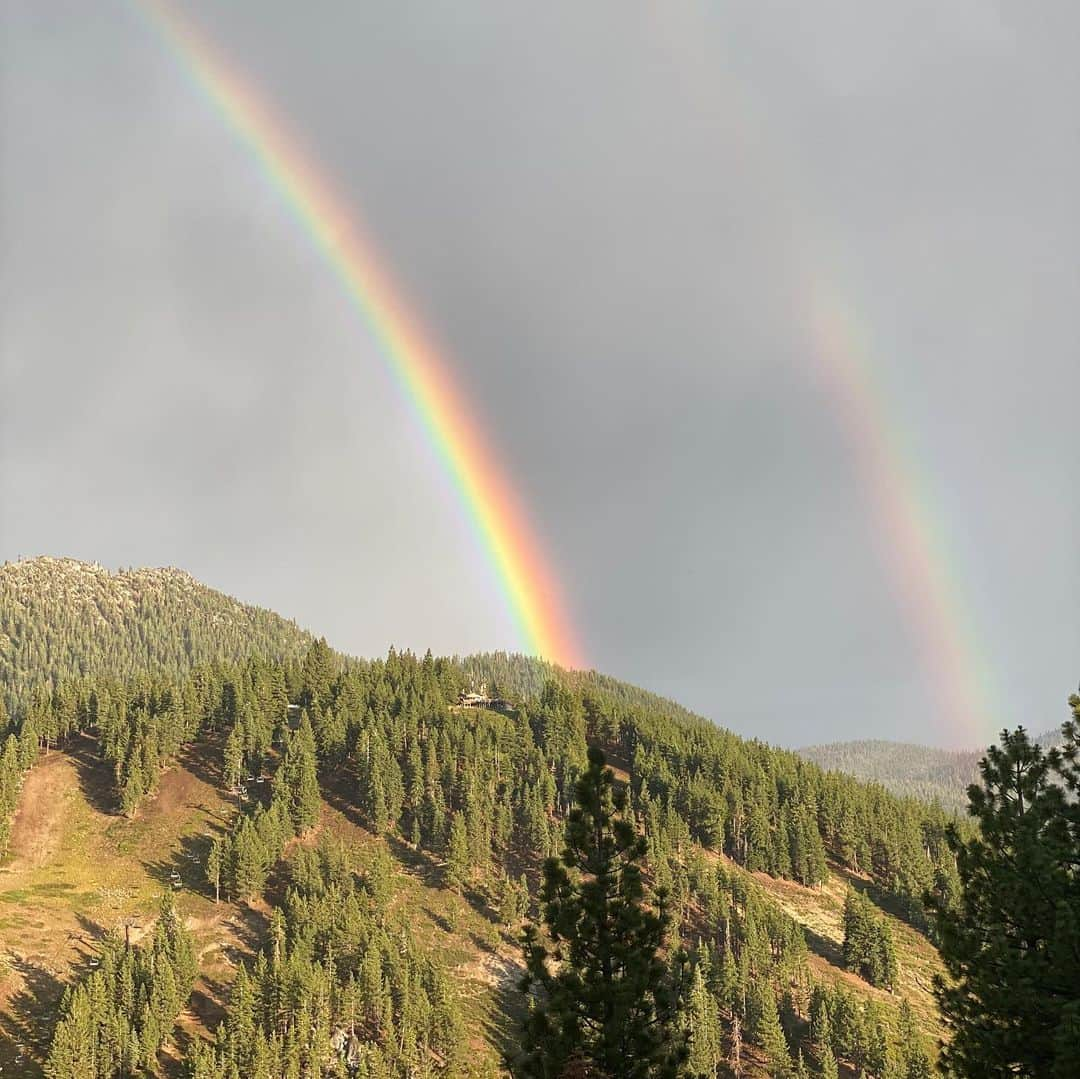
(525, 578)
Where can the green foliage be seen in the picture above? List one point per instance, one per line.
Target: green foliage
(457, 854)
(842, 1028)
(868, 944)
(511, 776)
(1012, 944)
(607, 999)
(339, 989)
(703, 1030)
(766, 1030)
(488, 794)
(911, 771)
(914, 1063)
(61, 619)
(827, 1066)
(514, 901)
(297, 778)
(114, 1022)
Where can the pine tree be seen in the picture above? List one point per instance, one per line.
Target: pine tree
(250, 861)
(876, 1046)
(233, 759)
(114, 1022)
(820, 1019)
(914, 1063)
(299, 779)
(703, 1028)
(767, 1032)
(827, 1066)
(610, 1003)
(318, 671)
(513, 902)
(1012, 947)
(215, 864)
(457, 855)
(868, 944)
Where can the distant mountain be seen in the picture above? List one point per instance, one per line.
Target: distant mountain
(914, 771)
(61, 618)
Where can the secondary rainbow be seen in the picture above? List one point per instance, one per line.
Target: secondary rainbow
(842, 349)
(924, 581)
(525, 577)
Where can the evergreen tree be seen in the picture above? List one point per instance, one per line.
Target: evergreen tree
(1012, 946)
(876, 1056)
(606, 997)
(317, 673)
(215, 865)
(735, 1048)
(868, 944)
(514, 901)
(299, 779)
(112, 1024)
(457, 855)
(767, 1032)
(914, 1063)
(827, 1066)
(703, 1028)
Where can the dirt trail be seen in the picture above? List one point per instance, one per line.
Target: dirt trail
(38, 823)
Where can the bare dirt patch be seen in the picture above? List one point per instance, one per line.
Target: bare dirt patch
(77, 870)
(38, 821)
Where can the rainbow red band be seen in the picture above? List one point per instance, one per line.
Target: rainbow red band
(925, 591)
(532, 593)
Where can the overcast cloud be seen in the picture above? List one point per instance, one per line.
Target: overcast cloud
(608, 214)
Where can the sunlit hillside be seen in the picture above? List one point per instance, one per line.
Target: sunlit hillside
(236, 788)
(61, 618)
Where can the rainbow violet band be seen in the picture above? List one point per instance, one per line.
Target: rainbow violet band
(498, 520)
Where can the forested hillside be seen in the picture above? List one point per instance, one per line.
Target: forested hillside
(934, 775)
(61, 618)
(479, 798)
(357, 852)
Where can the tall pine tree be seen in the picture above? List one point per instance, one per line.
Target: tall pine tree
(1012, 945)
(607, 1001)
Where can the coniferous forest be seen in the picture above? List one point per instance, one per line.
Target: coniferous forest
(646, 874)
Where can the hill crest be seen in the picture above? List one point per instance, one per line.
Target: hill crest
(907, 768)
(62, 618)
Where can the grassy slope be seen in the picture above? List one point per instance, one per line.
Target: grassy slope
(820, 912)
(76, 870)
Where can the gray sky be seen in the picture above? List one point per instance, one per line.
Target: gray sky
(608, 214)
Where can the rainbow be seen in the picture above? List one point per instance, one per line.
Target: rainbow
(495, 514)
(925, 586)
(842, 352)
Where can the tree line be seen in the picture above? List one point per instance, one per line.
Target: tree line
(61, 619)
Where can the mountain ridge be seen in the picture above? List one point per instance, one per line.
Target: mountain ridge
(909, 769)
